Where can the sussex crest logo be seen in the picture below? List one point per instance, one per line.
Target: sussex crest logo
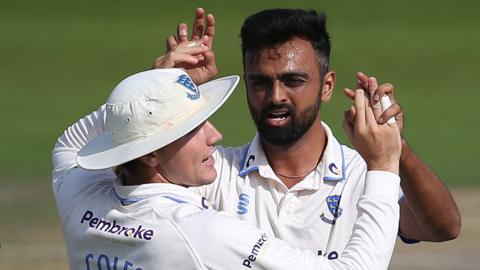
(192, 92)
(333, 203)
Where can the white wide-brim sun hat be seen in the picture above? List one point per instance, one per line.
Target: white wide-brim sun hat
(149, 110)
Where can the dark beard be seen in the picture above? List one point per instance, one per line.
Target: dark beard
(290, 133)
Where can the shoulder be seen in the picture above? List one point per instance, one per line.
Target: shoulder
(231, 155)
(352, 156)
(79, 184)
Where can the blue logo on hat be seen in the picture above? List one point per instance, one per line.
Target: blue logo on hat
(185, 81)
(333, 203)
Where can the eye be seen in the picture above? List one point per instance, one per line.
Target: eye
(260, 84)
(294, 82)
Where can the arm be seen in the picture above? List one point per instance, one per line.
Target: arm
(73, 139)
(235, 244)
(428, 211)
(68, 179)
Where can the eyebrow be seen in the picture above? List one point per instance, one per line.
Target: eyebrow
(281, 75)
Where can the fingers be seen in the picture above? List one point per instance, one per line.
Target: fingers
(375, 104)
(197, 31)
(349, 115)
(370, 117)
(362, 80)
(171, 43)
(375, 92)
(349, 93)
(173, 59)
(182, 32)
(348, 124)
(210, 63)
(192, 50)
(386, 89)
(181, 55)
(210, 29)
(360, 119)
(182, 58)
(395, 110)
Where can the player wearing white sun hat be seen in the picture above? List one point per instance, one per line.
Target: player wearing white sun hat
(146, 218)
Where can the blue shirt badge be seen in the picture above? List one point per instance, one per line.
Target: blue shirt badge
(333, 203)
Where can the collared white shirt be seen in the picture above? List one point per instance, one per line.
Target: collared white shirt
(318, 213)
(163, 226)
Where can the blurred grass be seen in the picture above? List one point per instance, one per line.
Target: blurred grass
(59, 61)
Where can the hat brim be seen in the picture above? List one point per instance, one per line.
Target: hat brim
(103, 153)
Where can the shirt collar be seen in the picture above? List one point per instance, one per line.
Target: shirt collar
(332, 164)
(128, 195)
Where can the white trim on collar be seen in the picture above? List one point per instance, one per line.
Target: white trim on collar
(333, 158)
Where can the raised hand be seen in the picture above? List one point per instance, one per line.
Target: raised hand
(374, 92)
(378, 144)
(182, 55)
(203, 32)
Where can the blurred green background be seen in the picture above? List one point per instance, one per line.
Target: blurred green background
(59, 60)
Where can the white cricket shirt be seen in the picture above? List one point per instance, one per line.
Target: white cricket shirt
(318, 213)
(163, 226)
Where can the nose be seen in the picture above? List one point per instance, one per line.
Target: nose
(213, 135)
(278, 94)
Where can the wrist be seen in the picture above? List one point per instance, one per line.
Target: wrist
(392, 167)
(406, 153)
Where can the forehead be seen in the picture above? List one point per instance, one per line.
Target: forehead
(294, 55)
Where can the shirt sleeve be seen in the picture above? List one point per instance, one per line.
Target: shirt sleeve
(224, 242)
(68, 179)
(64, 153)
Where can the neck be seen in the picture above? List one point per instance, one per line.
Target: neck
(140, 176)
(293, 162)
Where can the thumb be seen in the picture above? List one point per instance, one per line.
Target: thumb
(210, 63)
(348, 126)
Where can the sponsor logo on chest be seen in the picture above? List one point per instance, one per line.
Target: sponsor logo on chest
(243, 202)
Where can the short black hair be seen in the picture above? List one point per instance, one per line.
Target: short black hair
(272, 27)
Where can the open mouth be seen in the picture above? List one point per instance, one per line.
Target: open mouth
(277, 117)
(208, 159)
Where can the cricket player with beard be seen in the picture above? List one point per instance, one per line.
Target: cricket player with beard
(295, 180)
(154, 126)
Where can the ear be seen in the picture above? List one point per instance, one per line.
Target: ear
(328, 84)
(151, 160)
